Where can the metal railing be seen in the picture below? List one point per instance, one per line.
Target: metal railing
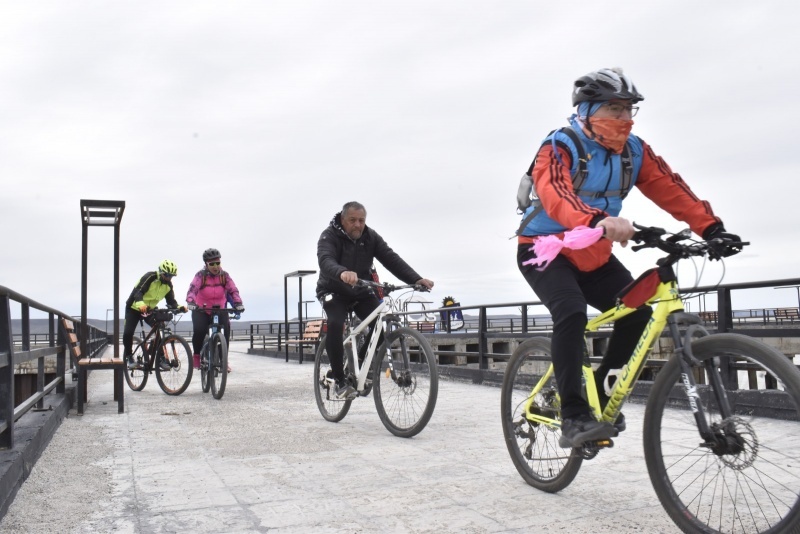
(12, 354)
(520, 324)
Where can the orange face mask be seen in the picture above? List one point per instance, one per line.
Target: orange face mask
(611, 133)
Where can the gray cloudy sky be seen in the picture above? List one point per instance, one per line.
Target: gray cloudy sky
(246, 125)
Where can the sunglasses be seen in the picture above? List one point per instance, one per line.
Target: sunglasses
(213, 263)
(165, 275)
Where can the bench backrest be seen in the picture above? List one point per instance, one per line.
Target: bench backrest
(313, 330)
(72, 338)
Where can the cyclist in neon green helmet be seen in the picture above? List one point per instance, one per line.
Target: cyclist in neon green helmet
(148, 292)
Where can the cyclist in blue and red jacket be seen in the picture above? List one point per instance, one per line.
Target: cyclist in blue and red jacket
(613, 162)
(211, 286)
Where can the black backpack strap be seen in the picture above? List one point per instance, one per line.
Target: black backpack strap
(626, 180)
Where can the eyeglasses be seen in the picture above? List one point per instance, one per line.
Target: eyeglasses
(167, 275)
(213, 263)
(618, 109)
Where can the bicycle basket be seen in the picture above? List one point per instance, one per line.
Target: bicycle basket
(163, 316)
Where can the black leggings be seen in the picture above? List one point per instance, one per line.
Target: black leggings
(566, 291)
(201, 321)
(336, 310)
(132, 318)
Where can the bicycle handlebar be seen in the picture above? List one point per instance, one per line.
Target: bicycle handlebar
(217, 311)
(388, 288)
(653, 237)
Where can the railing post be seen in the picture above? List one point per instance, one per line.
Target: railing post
(483, 345)
(725, 318)
(61, 356)
(524, 319)
(6, 376)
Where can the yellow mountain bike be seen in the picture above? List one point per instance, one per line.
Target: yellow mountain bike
(722, 455)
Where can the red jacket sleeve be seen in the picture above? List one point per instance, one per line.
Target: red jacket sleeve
(668, 190)
(553, 185)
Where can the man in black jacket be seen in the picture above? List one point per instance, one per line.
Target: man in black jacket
(346, 251)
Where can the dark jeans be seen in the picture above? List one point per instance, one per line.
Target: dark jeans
(201, 321)
(336, 310)
(566, 291)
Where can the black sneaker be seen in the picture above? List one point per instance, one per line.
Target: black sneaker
(343, 390)
(581, 428)
(164, 365)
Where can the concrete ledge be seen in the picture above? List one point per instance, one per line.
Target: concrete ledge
(32, 433)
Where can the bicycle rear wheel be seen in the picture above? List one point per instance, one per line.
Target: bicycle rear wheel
(175, 350)
(533, 446)
(137, 377)
(748, 480)
(331, 408)
(218, 369)
(406, 382)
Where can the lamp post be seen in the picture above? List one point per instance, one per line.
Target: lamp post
(108, 310)
(797, 287)
(299, 275)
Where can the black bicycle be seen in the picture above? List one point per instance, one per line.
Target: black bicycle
(214, 354)
(164, 352)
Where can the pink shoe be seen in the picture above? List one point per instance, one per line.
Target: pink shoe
(196, 361)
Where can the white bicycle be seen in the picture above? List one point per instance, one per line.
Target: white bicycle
(404, 373)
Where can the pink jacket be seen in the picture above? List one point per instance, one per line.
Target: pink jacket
(213, 292)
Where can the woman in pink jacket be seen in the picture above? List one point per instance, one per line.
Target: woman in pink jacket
(211, 286)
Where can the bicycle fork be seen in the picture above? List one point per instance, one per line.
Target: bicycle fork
(713, 438)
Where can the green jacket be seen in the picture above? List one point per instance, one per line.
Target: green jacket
(149, 291)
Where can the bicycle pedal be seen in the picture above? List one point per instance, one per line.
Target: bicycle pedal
(602, 443)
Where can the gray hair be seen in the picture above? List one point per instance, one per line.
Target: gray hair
(353, 205)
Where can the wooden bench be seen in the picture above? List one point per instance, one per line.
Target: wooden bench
(787, 314)
(426, 327)
(708, 316)
(311, 334)
(85, 365)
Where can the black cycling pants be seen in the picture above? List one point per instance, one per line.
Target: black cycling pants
(201, 321)
(132, 318)
(566, 291)
(336, 310)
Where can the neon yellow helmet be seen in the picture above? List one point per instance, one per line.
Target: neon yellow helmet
(168, 267)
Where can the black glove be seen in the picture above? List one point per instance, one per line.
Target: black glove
(240, 307)
(721, 243)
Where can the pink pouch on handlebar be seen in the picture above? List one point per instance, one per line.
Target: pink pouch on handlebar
(548, 247)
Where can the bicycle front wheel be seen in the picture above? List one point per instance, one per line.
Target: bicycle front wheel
(406, 382)
(747, 478)
(331, 408)
(218, 369)
(533, 446)
(176, 352)
(137, 377)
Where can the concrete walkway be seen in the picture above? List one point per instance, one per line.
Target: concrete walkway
(263, 460)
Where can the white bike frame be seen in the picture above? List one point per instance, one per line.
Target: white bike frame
(381, 311)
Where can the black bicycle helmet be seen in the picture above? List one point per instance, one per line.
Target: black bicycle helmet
(604, 85)
(211, 254)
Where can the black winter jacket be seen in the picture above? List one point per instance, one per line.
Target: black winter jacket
(337, 253)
